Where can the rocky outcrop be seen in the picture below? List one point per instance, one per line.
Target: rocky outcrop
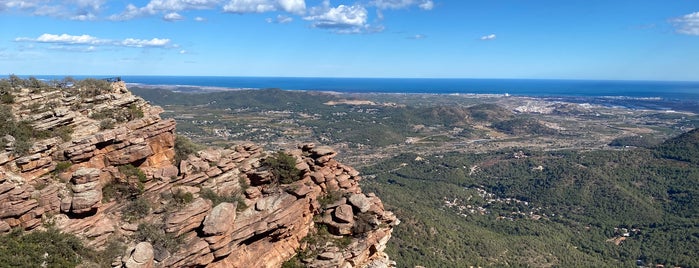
(86, 192)
(141, 256)
(220, 207)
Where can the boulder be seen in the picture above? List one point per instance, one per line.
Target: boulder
(343, 214)
(220, 219)
(361, 202)
(141, 256)
(188, 218)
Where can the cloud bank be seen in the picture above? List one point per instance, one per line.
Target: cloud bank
(90, 42)
(342, 18)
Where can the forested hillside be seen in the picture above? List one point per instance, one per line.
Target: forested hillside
(532, 208)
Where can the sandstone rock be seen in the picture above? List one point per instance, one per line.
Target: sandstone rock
(85, 201)
(87, 191)
(323, 150)
(85, 175)
(343, 214)
(141, 257)
(220, 220)
(361, 202)
(252, 193)
(318, 177)
(4, 227)
(328, 255)
(265, 234)
(189, 218)
(101, 228)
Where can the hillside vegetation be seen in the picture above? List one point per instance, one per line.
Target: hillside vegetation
(567, 208)
(490, 181)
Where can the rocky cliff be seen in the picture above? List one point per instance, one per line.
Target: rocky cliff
(104, 170)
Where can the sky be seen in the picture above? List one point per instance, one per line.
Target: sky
(532, 39)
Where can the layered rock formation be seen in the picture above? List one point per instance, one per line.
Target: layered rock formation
(220, 207)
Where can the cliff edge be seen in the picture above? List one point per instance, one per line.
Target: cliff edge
(101, 164)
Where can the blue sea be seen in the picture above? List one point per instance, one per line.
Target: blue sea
(662, 95)
(517, 87)
(521, 87)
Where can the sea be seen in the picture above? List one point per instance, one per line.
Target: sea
(660, 95)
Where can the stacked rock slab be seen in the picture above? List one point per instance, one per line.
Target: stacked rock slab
(260, 224)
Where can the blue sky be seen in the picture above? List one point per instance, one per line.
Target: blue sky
(577, 39)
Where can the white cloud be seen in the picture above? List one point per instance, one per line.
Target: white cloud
(488, 37)
(293, 6)
(173, 16)
(687, 24)
(130, 12)
(65, 39)
(90, 42)
(18, 4)
(179, 5)
(261, 6)
(84, 17)
(65, 9)
(281, 19)
(398, 4)
(199, 19)
(73, 48)
(249, 6)
(163, 6)
(342, 19)
(417, 37)
(427, 5)
(155, 42)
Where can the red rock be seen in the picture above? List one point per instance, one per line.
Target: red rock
(188, 218)
(344, 214)
(220, 220)
(361, 202)
(141, 257)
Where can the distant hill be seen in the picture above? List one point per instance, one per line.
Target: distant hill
(262, 99)
(488, 112)
(684, 147)
(523, 126)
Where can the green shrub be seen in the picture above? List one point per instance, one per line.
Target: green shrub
(118, 115)
(293, 263)
(155, 234)
(136, 209)
(132, 172)
(22, 131)
(6, 97)
(331, 197)
(283, 168)
(62, 166)
(318, 239)
(182, 197)
(134, 112)
(90, 87)
(121, 191)
(106, 124)
(218, 199)
(114, 248)
(49, 248)
(22, 147)
(64, 132)
(183, 148)
(130, 188)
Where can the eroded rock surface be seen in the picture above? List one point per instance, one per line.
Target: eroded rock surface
(222, 206)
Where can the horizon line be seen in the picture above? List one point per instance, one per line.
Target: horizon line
(353, 77)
